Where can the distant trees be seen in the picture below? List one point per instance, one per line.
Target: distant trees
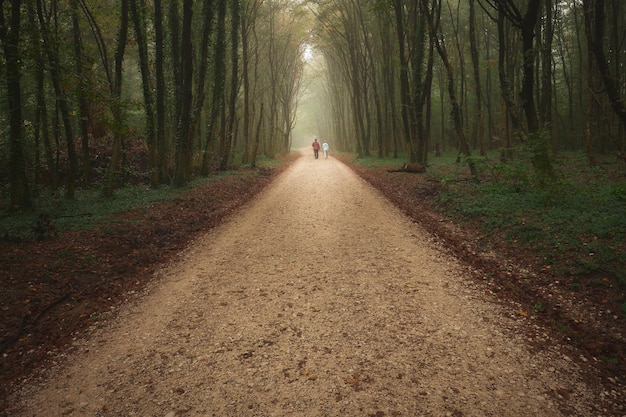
(99, 93)
(10, 37)
(596, 20)
(144, 90)
(526, 86)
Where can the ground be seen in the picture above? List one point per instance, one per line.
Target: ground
(50, 300)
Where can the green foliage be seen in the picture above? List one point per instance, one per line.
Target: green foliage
(55, 213)
(87, 209)
(374, 162)
(575, 222)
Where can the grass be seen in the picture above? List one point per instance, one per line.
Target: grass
(576, 222)
(90, 207)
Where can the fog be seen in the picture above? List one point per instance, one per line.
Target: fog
(310, 116)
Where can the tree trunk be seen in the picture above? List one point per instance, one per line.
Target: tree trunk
(234, 86)
(42, 118)
(219, 79)
(527, 26)
(405, 96)
(160, 115)
(116, 95)
(83, 109)
(595, 22)
(546, 68)
(480, 137)
(433, 25)
(138, 17)
(203, 64)
(538, 142)
(55, 76)
(245, 57)
(10, 37)
(184, 136)
(506, 86)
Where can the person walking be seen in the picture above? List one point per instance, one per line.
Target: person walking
(316, 148)
(325, 148)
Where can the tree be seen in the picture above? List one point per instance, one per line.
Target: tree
(477, 84)
(41, 119)
(433, 14)
(52, 55)
(115, 83)
(219, 83)
(184, 137)
(139, 22)
(526, 23)
(10, 38)
(159, 73)
(81, 93)
(595, 23)
(229, 134)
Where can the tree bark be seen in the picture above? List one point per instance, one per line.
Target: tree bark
(234, 86)
(42, 118)
(480, 137)
(83, 108)
(61, 97)
(184, 137)
(138, 17)
(595, 22)
(203, 63)
(219, 82)
(116, 96)
(433, 25)
(405, 96)
(10, 37)
(160, 116)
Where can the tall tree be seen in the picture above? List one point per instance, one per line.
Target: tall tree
(479, 135)
(81, 92)
(433, 13)
(116, 102)
(139, 23)
(229, 135)
(219, 83)
(55, 70)
(42, 128)
(408, 123)
(595, 20)
(526, 24)
(203, 63)
(159, 74)
(184, 137)
(10, 38)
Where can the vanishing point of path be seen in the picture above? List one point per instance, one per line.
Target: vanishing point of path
(318, 299)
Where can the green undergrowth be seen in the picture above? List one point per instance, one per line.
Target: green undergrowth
(56, 214)
(574, 222)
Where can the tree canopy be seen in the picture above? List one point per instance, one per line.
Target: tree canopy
(105, 93)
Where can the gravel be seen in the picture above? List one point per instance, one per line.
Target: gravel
(319, 298)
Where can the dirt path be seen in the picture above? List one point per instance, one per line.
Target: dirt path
(318, 299)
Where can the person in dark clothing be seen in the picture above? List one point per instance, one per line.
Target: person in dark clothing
(316, 148)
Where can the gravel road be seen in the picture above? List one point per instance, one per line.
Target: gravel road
(318, 299)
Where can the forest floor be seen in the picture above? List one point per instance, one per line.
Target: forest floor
(462, 334)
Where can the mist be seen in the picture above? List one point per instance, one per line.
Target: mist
(310, 116)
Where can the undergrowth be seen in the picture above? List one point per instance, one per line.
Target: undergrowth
(54, 213)
(575, 222)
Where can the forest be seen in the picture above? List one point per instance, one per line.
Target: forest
(129, 127)
(98, 94)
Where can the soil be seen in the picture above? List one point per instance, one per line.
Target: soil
(315, 297)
